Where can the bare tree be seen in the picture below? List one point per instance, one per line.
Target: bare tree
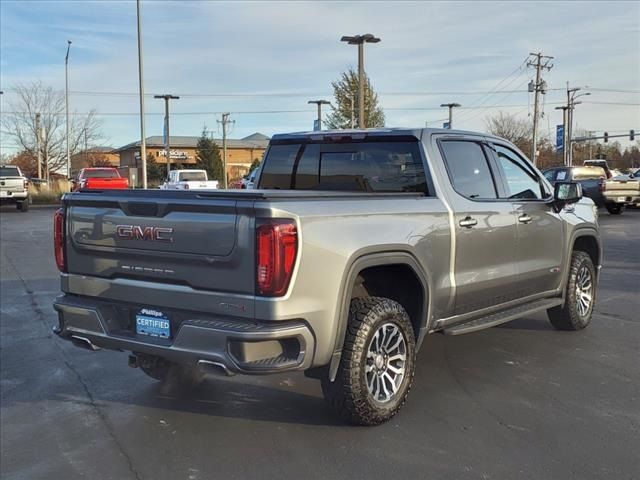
(19, 123)
(517, 130)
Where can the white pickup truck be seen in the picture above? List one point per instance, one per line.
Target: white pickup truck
(188, 180)
(14, 187)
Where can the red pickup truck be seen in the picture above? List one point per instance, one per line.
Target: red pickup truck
(99, 178)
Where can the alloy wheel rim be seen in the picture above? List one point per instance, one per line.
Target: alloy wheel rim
(386, 362)
(584, 291)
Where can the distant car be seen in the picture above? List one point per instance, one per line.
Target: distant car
(188, 180)
(622, 191)
(99, 178)
(249, 182)
(14, 187)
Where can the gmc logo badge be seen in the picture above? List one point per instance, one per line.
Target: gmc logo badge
(136, 232)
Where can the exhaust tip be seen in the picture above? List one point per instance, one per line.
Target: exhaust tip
(83, 342)
(216, 368)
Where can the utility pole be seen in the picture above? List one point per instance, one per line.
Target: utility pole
(143, 140)
(540, 62)
(451, 106)
(360, 40)
(319, 103)
(167, 150)
(225, 121)
(66, 101)
(38, 146)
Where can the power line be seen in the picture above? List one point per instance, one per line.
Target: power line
(482, 108)
(304, 94)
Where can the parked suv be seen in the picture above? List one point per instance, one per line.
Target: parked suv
(355, 245)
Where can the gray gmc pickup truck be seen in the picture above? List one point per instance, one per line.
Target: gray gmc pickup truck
(353, 247)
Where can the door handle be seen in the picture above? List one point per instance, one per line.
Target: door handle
(468, 222)
(524, 218)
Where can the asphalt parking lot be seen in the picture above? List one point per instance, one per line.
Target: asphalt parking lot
(516, 401)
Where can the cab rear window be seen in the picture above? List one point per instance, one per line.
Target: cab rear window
(9, 172)
(358, 166)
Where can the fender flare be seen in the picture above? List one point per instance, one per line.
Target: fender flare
(575, 235)
(355, 267)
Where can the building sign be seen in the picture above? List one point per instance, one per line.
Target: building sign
(175, 154)
(559, 138)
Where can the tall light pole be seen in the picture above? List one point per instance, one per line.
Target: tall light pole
(360, 40)
(143, 140)
(319, 103)
(166, 98)
(450, 106)
(66, 101)
(571, 103)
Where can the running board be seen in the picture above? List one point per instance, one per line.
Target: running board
(503, 316)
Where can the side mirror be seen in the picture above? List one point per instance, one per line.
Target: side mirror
(565, 193)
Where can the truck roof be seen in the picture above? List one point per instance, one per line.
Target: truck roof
(372, 132)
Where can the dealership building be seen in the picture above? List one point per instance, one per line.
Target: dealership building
(240, 153)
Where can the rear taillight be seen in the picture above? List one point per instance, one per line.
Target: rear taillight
(58, 239)
(276, 250)
(186, 186)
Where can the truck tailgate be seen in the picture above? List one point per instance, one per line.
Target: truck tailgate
(203, 243)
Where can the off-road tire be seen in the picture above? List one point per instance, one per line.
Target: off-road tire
(615, 208)
(349, 394)
(568, 317)
(23, 205)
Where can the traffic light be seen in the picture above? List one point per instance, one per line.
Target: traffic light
(606, 137)
(632, 135)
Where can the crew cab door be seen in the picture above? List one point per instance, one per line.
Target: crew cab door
(485, 228)
(540, 230)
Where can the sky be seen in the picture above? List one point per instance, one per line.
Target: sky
(263, 60)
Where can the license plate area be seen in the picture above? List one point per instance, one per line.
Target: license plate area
(622, 199)
(153, 323)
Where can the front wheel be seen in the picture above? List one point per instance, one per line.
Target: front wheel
(377, 365)
(580, 295)
(615, 208)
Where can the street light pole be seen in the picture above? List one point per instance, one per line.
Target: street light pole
(143, 140)
(167, 150)
(360, 40)
(66, 101)
(450, 106)
(571, 103)
(319, 103)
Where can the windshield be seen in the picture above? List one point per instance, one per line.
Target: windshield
(100, 174)
(193, 176)
(9, 172)
(359, 166)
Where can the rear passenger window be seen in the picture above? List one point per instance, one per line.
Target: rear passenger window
(277, 172)
(468, 169)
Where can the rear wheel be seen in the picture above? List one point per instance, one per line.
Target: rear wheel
(377, 365)
(615, 208)
(580, 295)
(23, 206)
